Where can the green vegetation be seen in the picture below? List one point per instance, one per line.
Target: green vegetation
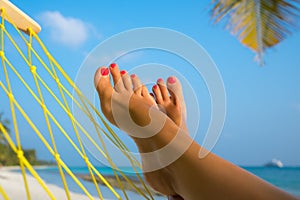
(8, 156)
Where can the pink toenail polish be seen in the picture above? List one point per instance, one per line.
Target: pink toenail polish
(171, 79)
(123, 72)
(113, 65)
(132, 75)
(160, 80)
(104, 71)
(154, 86)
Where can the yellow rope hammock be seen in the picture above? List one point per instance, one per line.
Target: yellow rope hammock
(31, 59)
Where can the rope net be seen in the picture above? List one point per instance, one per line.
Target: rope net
(27, 63)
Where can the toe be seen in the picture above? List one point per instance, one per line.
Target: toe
(126, 80)
(152, 95)
(175, 90)
(163, 89)
(156, 91)
(102, 80)
(145, 92)
(137, 84)
(117, 79)
(147, 95)
(104, 89)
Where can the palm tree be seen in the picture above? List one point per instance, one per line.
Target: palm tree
(5, 123)
(258, 24)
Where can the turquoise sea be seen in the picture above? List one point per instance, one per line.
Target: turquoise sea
(286, 178)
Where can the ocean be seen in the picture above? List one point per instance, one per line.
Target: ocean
(286, 178)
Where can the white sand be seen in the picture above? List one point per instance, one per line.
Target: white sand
(12, 183)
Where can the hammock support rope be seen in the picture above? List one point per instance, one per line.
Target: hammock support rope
(62, 99)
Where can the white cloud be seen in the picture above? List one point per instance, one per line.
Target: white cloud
(69, 31)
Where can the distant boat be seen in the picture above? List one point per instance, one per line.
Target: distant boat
(274, 163)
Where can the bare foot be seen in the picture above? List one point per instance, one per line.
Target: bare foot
(114, 100)
(123, 88)
(170, 100)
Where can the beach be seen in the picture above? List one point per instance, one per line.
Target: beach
(11, 181)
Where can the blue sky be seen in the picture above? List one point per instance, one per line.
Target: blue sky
(263, 103)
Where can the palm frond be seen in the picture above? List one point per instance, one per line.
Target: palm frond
(259, 24)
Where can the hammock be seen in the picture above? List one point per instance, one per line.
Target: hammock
(21, 49)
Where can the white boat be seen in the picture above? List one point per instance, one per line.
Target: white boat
(274, 163)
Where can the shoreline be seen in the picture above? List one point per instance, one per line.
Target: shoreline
(114, 183)
(11, 181)
(17, 167)
(87, 177)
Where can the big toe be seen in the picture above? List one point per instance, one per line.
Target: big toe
(175, 90)
(104, 88)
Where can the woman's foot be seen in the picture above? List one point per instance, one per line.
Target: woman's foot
(130, 97)
(170, 100)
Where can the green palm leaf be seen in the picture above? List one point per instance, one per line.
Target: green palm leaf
(259, 24)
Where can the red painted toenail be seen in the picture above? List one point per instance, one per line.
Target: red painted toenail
(171, 79)
(154, 86)
(113, 65)
(123, 72)
(160, 80)
(152, 94)
(104, 71)
(132, 75)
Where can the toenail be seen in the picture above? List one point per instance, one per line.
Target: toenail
(171, 79)
(104, 71)
(152, 94)
(160, 80)
(123, 72)
(132, 75)
(113, 65)
(154, 86)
